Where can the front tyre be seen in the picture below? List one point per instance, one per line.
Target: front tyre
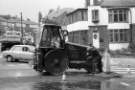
(56, 62)
(10, 58)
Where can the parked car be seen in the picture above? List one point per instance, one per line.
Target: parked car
(19, 53)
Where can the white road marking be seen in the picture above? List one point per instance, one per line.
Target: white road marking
(121, 70)
(125, 84)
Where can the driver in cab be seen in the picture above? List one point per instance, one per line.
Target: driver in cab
(56, 41)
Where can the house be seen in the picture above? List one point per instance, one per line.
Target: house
(3, 24)
(78, 26)
(107, 24)
(112, 23)
(12, 31)
(28, 27)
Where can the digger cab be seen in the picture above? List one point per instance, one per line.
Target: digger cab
(52, 36)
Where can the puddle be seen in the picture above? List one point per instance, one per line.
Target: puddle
(94, 85)
(56, 84)
(81, 85)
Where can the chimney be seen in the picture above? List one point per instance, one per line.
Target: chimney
(87, 3)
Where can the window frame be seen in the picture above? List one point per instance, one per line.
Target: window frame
(118, 36)
(82, 16)
(115, 13)
(95, 15)
(79, 37)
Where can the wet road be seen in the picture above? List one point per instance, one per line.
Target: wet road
(73, 82)
(20, 76)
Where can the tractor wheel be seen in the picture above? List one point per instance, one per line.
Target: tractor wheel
(56, 62)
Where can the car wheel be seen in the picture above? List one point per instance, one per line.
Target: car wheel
(16, 60)
(10, 59)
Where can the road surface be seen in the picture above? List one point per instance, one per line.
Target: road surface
(21, 76)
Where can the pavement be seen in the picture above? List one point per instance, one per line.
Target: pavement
(123, 61)
(108, 75)
(120, 67)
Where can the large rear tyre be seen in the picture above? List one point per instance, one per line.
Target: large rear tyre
(56, 62)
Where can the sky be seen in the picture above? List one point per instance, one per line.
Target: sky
(30, 8)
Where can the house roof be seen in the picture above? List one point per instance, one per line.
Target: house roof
(77, 10)
(24, 21)
(2, 19)
(56, 13)
(14, 20)
(118, 3)
(30, 22)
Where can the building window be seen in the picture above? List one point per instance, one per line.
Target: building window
(80, 37)
(118, 15)
(118, 35)
(82, 15)
(70, 19)
(95, 16)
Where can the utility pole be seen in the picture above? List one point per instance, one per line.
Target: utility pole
(21, 29)
(131, 39)
(39, 18)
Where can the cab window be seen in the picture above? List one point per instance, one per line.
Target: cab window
(49, 33)
(51, 36)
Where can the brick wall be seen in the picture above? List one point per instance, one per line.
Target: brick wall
(104, 37)
(90, 37)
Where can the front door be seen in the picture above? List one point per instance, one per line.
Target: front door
(96, 39)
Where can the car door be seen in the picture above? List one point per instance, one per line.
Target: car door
(16, 52)
(26, 53)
